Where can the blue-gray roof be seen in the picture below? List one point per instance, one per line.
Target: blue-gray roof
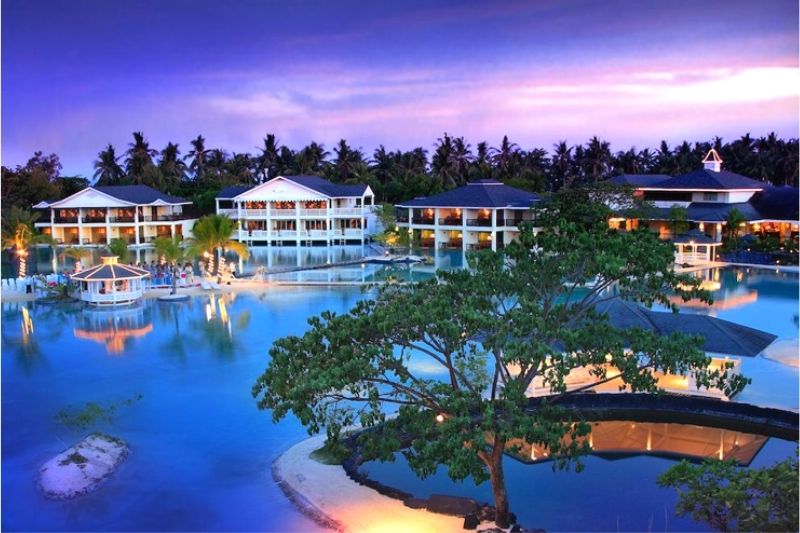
(327, 188)
(694, 236)
(478, 194)
(639, 180)
(230, 192)
(139, 194)
(777, 203)
(709, 180)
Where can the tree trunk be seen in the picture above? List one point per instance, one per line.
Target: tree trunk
(174, 281)
(497, 477)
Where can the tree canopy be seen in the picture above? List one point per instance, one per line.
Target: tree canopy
(483, 335)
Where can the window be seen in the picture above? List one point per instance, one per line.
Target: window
(709, 197)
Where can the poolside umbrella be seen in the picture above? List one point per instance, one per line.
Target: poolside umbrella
(719, 336)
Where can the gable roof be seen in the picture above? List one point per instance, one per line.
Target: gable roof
(639, 180)
(323, 186)
(140, 194)
(705, 179)
(480, 194)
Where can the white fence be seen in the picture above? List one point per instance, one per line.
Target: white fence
(21, 285)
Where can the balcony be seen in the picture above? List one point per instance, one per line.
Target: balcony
(450, 221)
(402, 218)
(162, 218)
(479, 222)
(228, 212)
(423, 220)
(123, 218)
(66, 219)
(94, 219)
(347, 211)
(276, 212)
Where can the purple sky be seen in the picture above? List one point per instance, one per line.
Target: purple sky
(79, 74)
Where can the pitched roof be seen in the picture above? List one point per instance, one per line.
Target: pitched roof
(705, 179)
(707, 212)
(777, 203)
(480, 194)
(695, 236)
(327, 188)
(139, 194)
(230, 192)
(639, 180)
(719, 336)
(115, 271)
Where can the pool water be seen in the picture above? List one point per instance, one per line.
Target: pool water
(201, 451)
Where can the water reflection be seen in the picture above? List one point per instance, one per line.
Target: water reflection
(625, 438)
(113, 328)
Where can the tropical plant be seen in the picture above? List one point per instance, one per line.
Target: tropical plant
(119, 248)
(213, 234)
(19, 238)
(512, 317)
(173, 252)
(107, 170)
(728, 497)
(733, 223)
(678, 220)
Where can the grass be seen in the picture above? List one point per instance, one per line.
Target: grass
(330, 455)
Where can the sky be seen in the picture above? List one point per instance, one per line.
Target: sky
(79, 74)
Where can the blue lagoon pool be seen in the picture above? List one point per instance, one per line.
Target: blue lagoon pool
(201, 451)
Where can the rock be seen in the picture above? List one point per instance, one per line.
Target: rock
(416, 503)
(81, 468)
(471, 521)
(451, 505)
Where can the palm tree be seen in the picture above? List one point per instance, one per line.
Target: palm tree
(172, 167)
(119, 248)
(442, 162)
(733, 221)
(311, 159)
(214, 234)
(139, 156)
(503, 157)
(268, 160)
(172, 252)
(19, 239)
(199, 155)
(560, 165)
(107, 169)
(597, 159)
(349, 163)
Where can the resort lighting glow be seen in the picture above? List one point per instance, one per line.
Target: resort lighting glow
(440, 418)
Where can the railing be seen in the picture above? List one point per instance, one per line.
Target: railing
(423, 220)
(162, 218)
(454, 243)
(111, 297)
(402, 218)
(280, 212)
(479, 222)
(314, 212)
(228, 212)
(123, 218)
(347, 211)
(450, 221)
(254, 213)
(258, 234)
(64, 219)
(94, 218)
(427, 243)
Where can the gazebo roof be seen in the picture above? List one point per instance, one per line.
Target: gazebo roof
(695, 236)
(719, 336)
(110, 270)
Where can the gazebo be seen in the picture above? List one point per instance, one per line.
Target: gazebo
(694, 246)
(110, 283)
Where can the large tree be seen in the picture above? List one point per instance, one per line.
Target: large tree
(527, 311)
(107, 170)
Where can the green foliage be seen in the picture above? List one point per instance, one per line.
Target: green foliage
(93, 413)
(678, 220)
(119, 248)
(212, 233)
(733, 223)
(333, 452)
(730, 498)
(533, 309)
(74, 458)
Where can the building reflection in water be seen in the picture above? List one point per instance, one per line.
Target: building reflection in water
(739, 296)
(113, 327)
(27, 326)
(217, 310)
(615, 438)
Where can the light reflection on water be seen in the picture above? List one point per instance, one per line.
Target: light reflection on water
(201, 450)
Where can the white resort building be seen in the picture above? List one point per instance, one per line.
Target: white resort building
(95, 216)
(481, 214)
(297, 210)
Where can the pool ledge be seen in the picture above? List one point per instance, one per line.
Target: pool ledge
(328, 496)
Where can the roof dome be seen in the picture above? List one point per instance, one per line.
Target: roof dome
(110, 269)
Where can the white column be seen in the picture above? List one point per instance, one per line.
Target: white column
(463, 231)
(80, 227)
(108, 225)
(329, 220)
(172, 230)
(136, 224)
(297, 223)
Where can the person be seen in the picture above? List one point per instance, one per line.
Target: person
(189, 272)
(233, 270)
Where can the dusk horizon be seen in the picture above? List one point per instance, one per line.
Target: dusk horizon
(401, 77)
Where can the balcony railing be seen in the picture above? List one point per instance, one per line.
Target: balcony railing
(479, 222)
(163, 218)
(423, 220)
(278, 212)
(123, 218)
(66, 219)
(228, 212)
(450, 221)
(90, 219)
(402, 218)
(347, 211)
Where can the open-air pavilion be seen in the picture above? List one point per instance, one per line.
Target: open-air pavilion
(694, 247)
(110, 283)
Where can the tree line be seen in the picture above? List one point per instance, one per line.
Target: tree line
(200, 172)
